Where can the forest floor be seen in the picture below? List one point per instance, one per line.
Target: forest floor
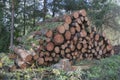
(103, 69)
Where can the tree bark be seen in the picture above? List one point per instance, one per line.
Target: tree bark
(44, 9)
(34, 15)
(53, 10)
(24, 17)
(12, 27)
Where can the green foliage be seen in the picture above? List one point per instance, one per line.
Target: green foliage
(105, 69)
(5, 59)
(72, 5)
(4, 34)
(30, 38)
(4, 40)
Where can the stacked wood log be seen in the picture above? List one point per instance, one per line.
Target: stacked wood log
(117, 49)
(75, 39)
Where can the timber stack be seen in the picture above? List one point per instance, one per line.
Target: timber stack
(75, 39)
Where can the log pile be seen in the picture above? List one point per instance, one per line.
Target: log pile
(75, 39)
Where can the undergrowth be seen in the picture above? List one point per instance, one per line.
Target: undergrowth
(104, 69)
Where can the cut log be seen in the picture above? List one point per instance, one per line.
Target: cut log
(100, 43)
(77, 28)
(79, 46)
(83, 33)
(66, 44)
(36, 33)
(82, 18)
(55, 59)
(93, 51)
(67, 35)
(89, 47)
(61, 29)
(66, 64)
(46, 59)
(48, 40)
(85, 46)
(67, 50)
(84, 41)
(81, 56)
(112, 52)
(86, 19)
(53, 54)
(87, 38)
(68, 19)
(13, 56)
(63, 46)
(21, 64)
(41, 42)
(78, 20)
(89, 51)
(36, 56)
(103, 46)
(98, 56)
(75, 40)
(82, 12)
(66, 26)
(83, 50)
(109, 47)
(13, 68)
(47, 53)
(50, 46)
(41, 47)
(91, 35)
(95, 43)
(76, 14)
(74, 57)
(41, 54)
(72, 47)
(72, 30)
(88, 23)
(108, 41)
(50, 59)
(62, 53)
(97, 48)
(49, 33)
(40, 61)
(97, 37)
(57, 49)
(82, 27)
(58, 39)
(68, 56)
(90, 57)
(76, 53)
(104, 51)
(100, 52)
(23, 54)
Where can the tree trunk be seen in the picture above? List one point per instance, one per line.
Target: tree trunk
(24, 17)
(12, 27)
(34, 15)
(53, 10)
(24, 55)
(44, 9)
